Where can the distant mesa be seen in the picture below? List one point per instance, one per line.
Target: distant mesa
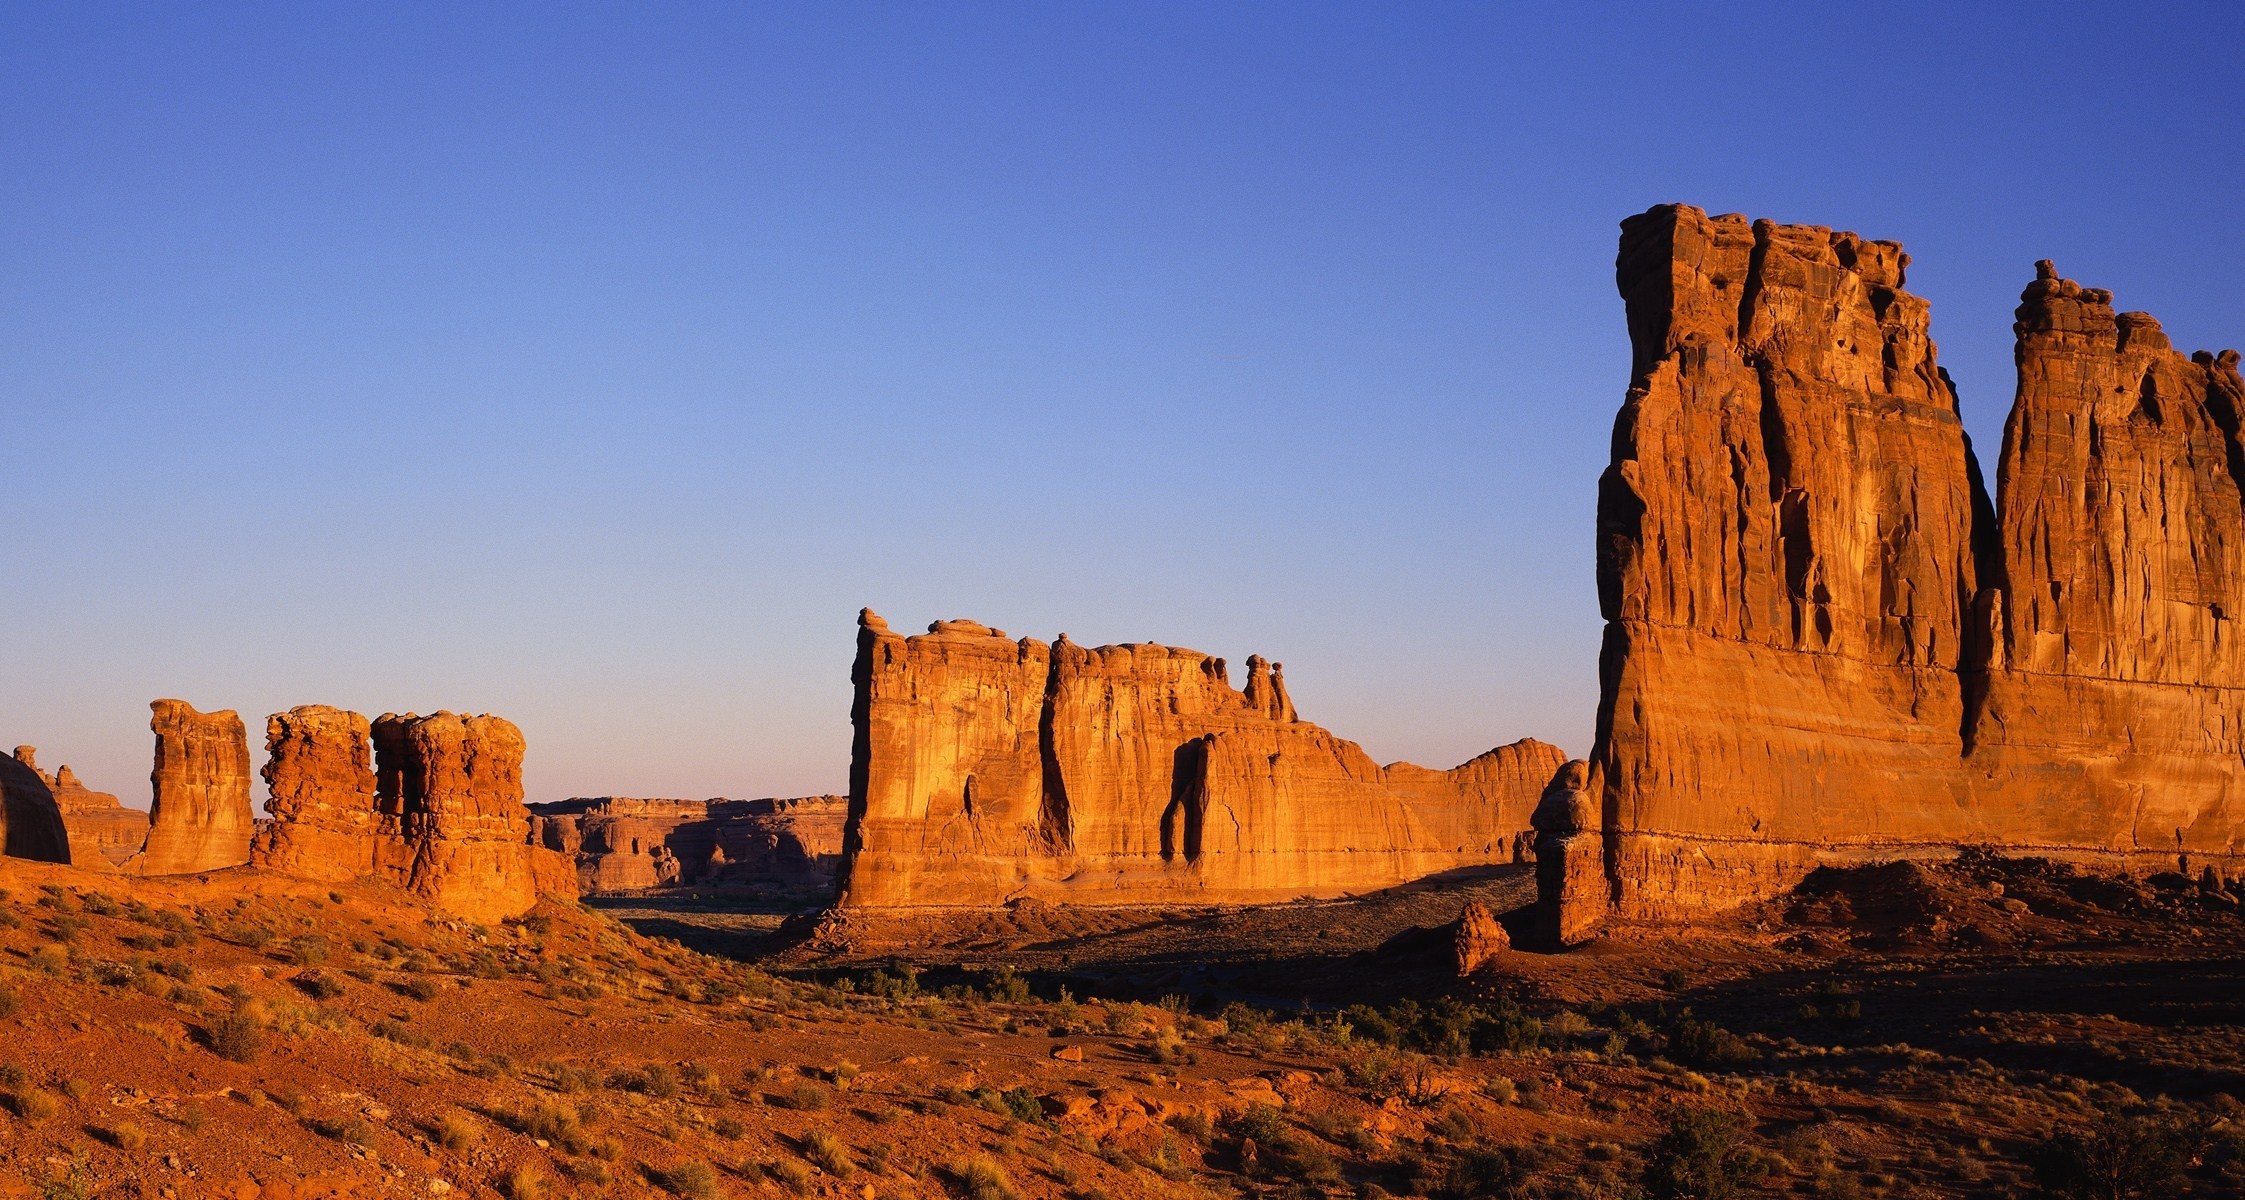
(987, 770)
(1826, 644)
(773, 847)
(103, 833)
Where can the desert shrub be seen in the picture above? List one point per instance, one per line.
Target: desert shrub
(236, 1037)
(32, 1105)
(524, 1183)
(1708, 1046)
(1194, 1125)
(454, 1131)
(307, 949)
(553, 1122)
(828, 1151)
(1008, 987)
(11, 1002)
(1701, 1156)
(566, 1078)
(2119, 1158)
(804, 1096)
(1455, 1126)
(981, 1178)
(1501, 1089)
(125, 1136)
(792, 1175)
(693, 1179)
(418, 988)
(403, 1035)
(350, 1130)
(319, 985)
(698, 1077)
(1480, 1172)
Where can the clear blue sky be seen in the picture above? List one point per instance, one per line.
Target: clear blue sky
(593, 364)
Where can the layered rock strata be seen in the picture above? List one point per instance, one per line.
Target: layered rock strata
(199, 816)
(622, 844)
(438, 810)
(1824, 642)
(988, 769)
(103, 833)
(30, 820)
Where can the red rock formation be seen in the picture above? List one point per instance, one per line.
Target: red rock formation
(440, 812)
(103, 833)
(199, 817)
(1573, 894)
(1823, 644)
(319, 782)
(2113, 718)
(987, 769)
(30, 821)
(789, 847)
(1479, 938)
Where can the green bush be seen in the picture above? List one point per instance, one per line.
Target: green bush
(1701, 1156)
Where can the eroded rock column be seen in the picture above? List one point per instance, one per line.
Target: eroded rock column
(199, 817)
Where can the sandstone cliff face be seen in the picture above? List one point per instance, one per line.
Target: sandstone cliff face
(1824, 642)
(621, 844)
(30, 821)
(2112, 717)
(199, 815)
(988, 769)
(439, 811)
(103, 833)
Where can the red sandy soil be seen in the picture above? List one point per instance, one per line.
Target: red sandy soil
(1898, 1031)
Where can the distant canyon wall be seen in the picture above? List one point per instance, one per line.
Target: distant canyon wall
(623, 844)
(987, 769)
(1823, 641)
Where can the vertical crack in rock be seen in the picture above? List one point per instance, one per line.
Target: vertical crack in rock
(1883, 661)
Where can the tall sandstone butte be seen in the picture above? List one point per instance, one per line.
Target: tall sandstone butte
(199, 816)
(439, 810)
(1823, 643)
(987, 769)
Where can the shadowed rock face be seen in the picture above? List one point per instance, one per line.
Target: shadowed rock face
(987, 769)
(1823, 641)
(622, 844)
(439, 810)
(30, 822)
(199, 815)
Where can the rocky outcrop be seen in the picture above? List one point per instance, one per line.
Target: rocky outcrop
(776, 846)
(103, 833)
(1823, 641)
(987, 769)
(199, 816)
(439, 810)
(319, 783)
(1573, 896)
(1479, 939)
(30, 821)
